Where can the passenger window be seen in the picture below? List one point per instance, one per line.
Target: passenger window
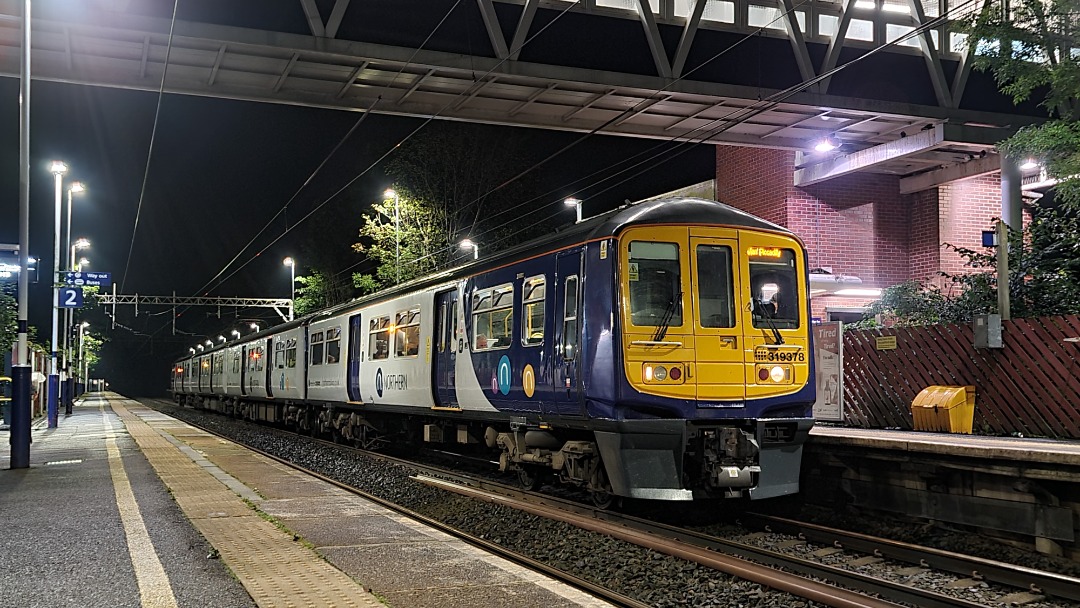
(532, 311)
(716, 286)
(279, 355)
(290, 353)
(379, 338)
(236, 362)
(407, 334)
(317, 347)
(570, 315)
(655, 284)
(493, 318)
(333, 345)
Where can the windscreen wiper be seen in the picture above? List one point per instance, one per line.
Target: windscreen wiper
(665, 321)
(768, 317)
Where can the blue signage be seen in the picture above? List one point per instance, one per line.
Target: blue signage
(89, 279)
(70, 297)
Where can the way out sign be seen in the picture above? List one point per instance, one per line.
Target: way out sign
(70, 297)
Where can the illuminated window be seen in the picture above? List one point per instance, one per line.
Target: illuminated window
(290, 353)
(407, 333)
(318, 345)
(532, 310)
(333, 345)
(493, 317)
(774, 287)
(379, 337)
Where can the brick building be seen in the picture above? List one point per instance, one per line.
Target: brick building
(860, 224)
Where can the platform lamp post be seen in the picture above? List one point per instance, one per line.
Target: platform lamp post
(78, 245)
(291, 263)
(469, 244)
(58, 170)
(68, 396)
(391, 193)
(81, 366)
(576, 204)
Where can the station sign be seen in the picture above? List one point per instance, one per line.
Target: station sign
(70, 297)
(88, 279)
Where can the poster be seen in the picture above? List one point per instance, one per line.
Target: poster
(829, 364)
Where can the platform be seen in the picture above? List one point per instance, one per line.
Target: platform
(1023, 490)
(124, 506)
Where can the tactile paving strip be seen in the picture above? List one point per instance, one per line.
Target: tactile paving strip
(274, 569)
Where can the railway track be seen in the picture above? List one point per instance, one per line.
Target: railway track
(768, 562)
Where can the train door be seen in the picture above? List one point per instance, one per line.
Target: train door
(566, 360)
(447, 347)
(717, 307)
(269, 366)
(356, 350)
(244, 356)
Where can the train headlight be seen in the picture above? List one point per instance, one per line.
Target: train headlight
(660, 373)
(648, 373)
(776, 374)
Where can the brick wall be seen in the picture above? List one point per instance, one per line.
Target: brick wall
(755, 180)
(924, 248)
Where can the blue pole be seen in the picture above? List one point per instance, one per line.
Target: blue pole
(20, 370)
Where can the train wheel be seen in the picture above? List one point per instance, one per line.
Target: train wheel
(600, 492)
(529, 478)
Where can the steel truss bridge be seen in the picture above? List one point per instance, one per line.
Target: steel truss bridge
(909, 111)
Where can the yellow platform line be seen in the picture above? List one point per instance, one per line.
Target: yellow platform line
(154, 588)
(275, 570)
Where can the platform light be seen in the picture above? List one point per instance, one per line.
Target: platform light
(235, 333)
(1029, 164)
(469, 244)
(222, 338)
(254, 326)
(192, 350)
(58, 167)
(827, 144)
(866, 292)
(210, 343)
(576, 204)
(200, 347)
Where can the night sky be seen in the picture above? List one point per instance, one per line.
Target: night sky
(220, 170)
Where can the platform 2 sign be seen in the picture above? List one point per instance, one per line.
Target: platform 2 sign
(829, 365)
(88, 279)
(70, 297)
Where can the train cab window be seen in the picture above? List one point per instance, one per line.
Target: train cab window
(655, 284)
(774, 286)
(532, 310)
(407, 333)
(379, 338)
(493, 317)
(333, 345)
(290, 353)
(570, 316)
(716, 286)
(318, 345)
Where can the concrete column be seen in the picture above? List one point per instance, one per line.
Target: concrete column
(1012, 205)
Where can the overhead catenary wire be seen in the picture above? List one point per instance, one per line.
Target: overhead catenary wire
(150, 150)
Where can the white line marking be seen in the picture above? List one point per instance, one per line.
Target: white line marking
(154, 588)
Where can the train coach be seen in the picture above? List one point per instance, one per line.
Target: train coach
(659, 351)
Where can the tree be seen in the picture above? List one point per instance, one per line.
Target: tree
(9, 327)
(1031, 50)
(319, 290)
(453, 181)
(91, 349)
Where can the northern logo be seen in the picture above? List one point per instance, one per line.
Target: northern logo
(379, 382)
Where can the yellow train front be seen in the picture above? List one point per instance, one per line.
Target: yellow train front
(697, 368)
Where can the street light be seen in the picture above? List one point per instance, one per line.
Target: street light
(58, 170)
(467, 244)
(391, 193)
(291, 263)
(200, 347)
(222, 338)
(210, 343)
(254, 327)
(235, 333)
(82, 356)
(192, 350)
(82, 262)
(67, 393)
(576, 204)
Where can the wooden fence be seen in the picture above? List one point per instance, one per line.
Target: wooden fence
(1030, 387)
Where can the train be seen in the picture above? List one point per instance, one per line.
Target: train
(659, 351)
